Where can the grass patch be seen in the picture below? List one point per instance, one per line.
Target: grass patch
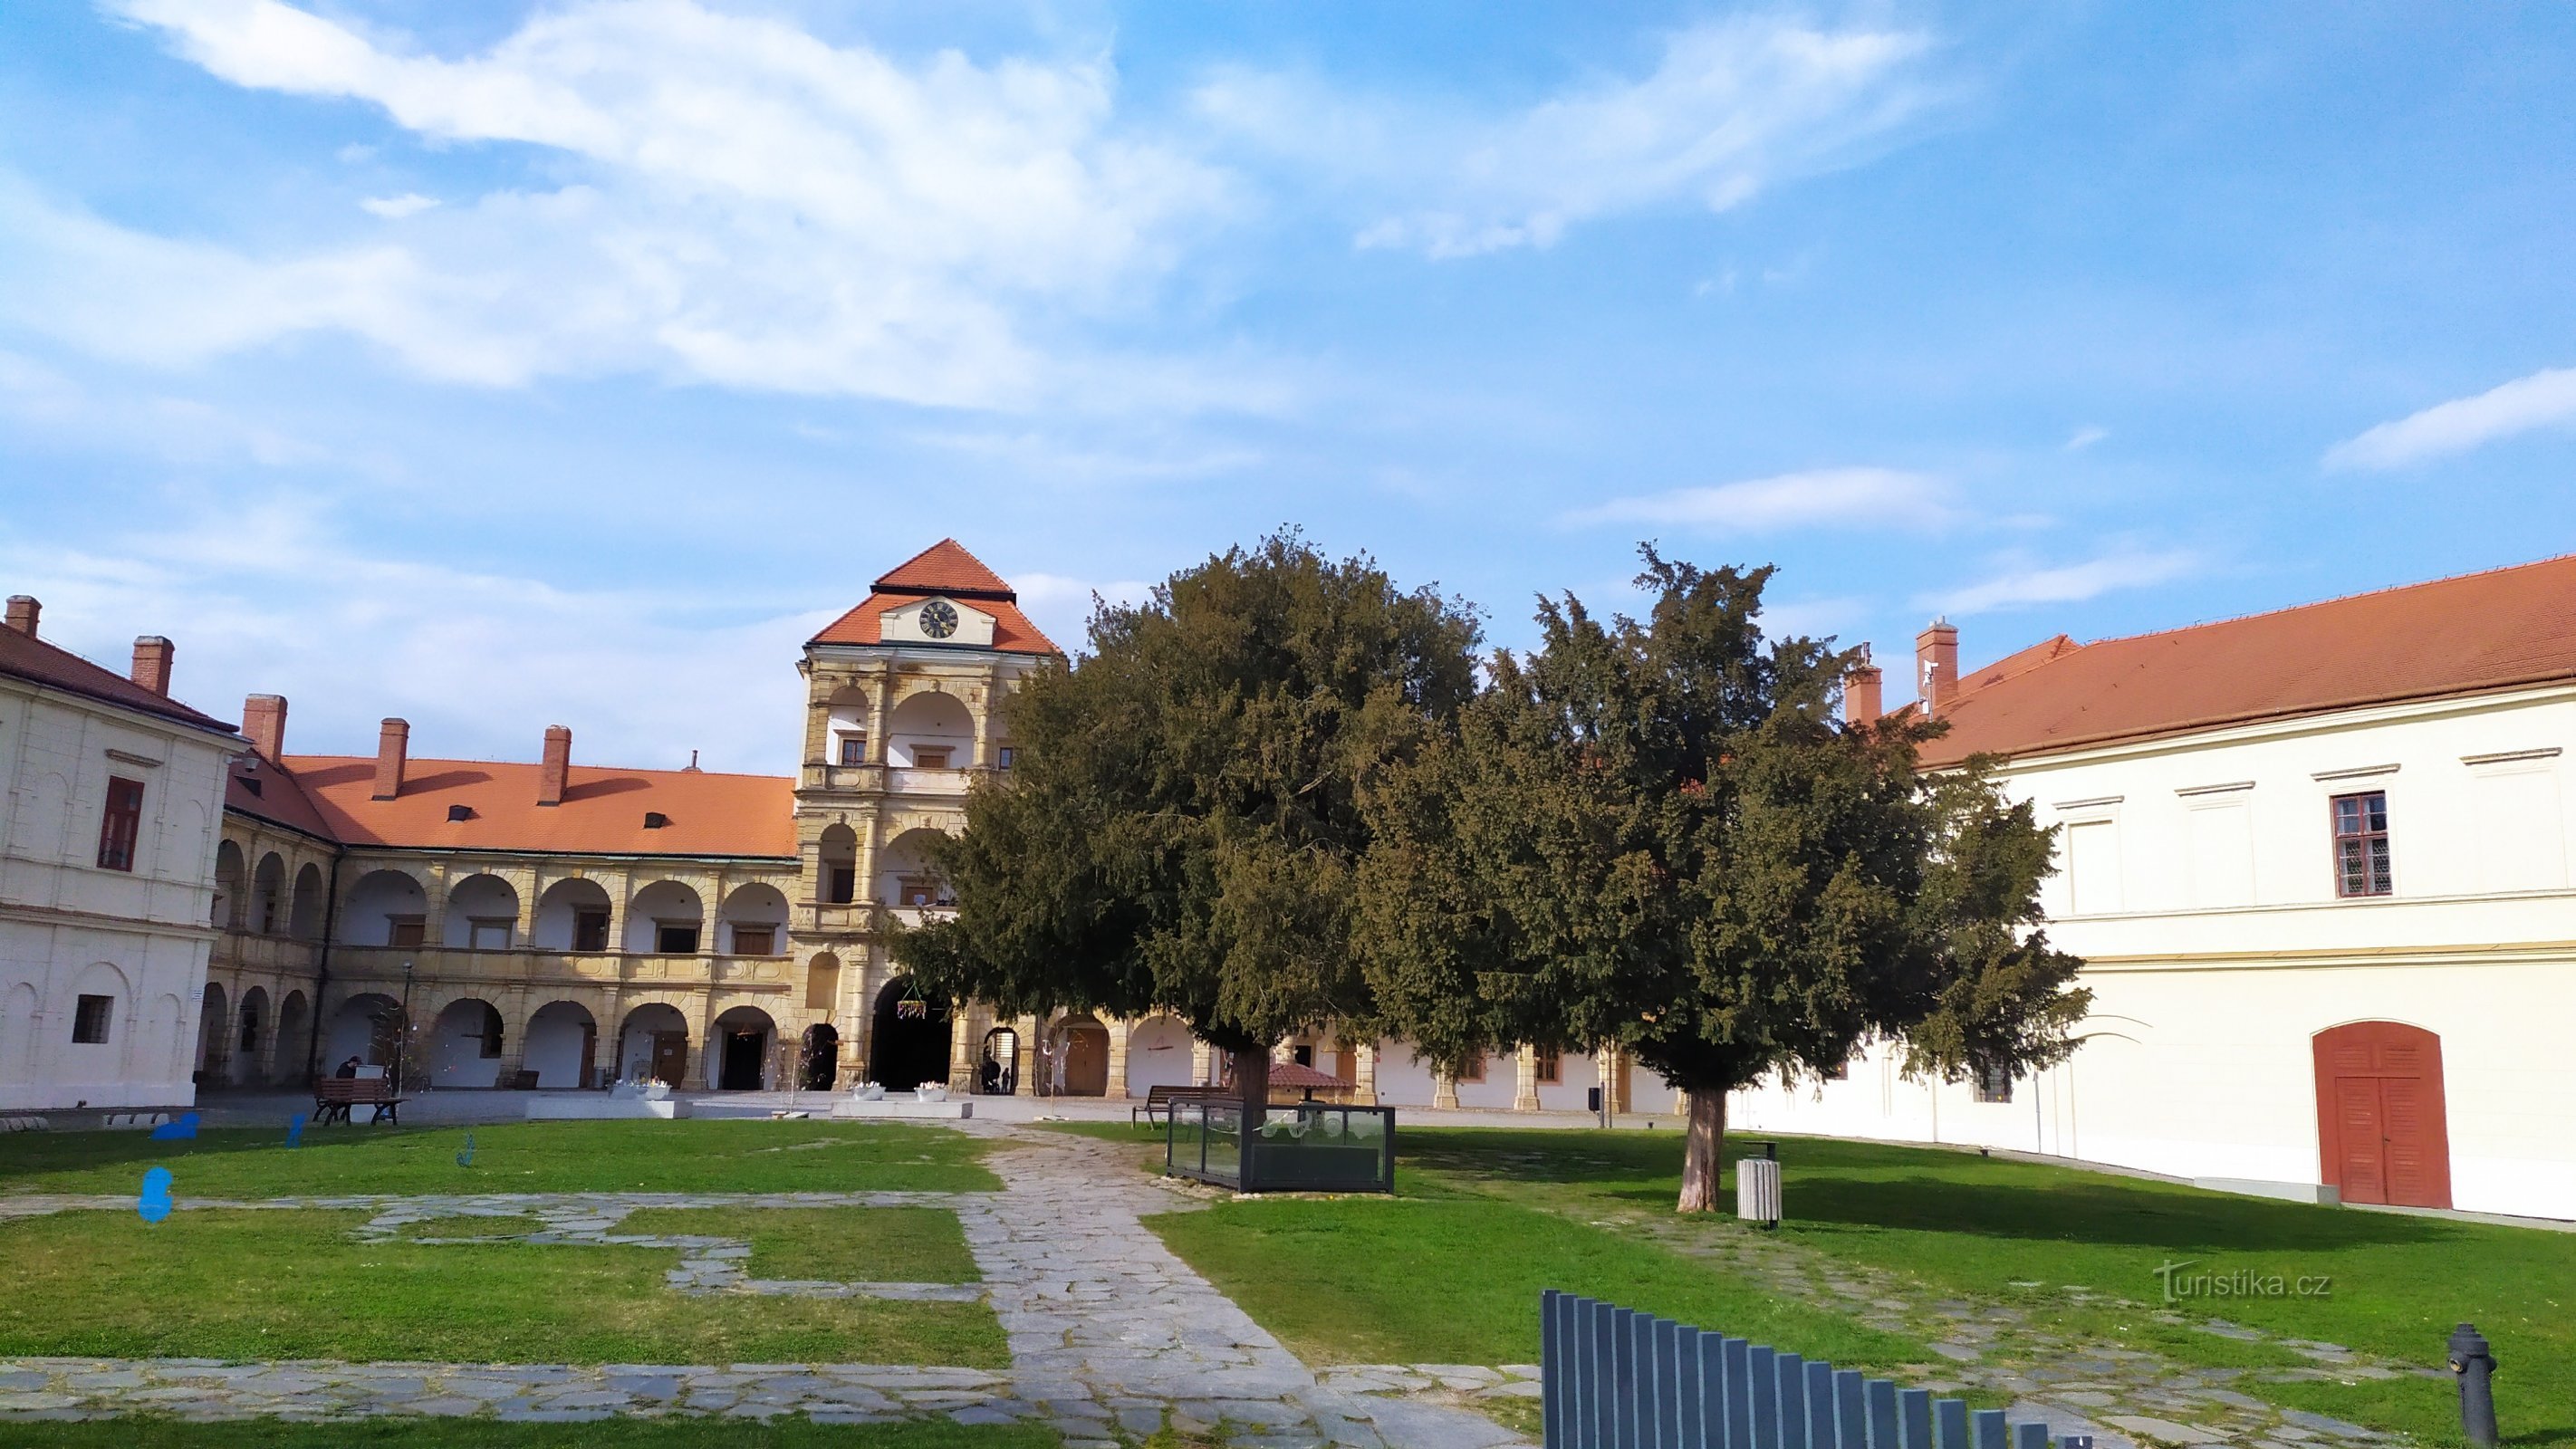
(250, 1285)
(689, 1155)
(1973, 1226)
(656, 1433)
(832, 1245)
(1457, 1279)
(473, 1225)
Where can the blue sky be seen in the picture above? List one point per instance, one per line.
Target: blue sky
(499, 366)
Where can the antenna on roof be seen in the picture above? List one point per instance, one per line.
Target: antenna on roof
(693, 762)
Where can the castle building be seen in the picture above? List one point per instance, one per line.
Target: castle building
(108, 828)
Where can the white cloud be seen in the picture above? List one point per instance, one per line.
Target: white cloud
(268, 597)
(1837, 497)
(747, 205)
(2085, 437)
(395, 208)
(49, 407)
(1732, 108)
(2544, 399)
(2021, 584)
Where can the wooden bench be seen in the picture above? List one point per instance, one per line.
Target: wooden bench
(1161, 1098)
(334, 1096)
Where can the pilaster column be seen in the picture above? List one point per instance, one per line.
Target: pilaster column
(1119, 1028)
(620, 885)
(1364, 1074)
(1202, 1062)
(1525, 1068)
(433, 921)
(961, 1051)
(1444, 1089)
(1026, 1029)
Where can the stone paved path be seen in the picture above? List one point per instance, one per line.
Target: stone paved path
(1109, 1332)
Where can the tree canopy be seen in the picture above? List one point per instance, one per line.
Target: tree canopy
(1182, 826)
(1656, 834)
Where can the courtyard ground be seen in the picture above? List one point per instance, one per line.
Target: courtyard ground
(2007, 1281)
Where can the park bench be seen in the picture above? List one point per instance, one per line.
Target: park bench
(1161, 1098)
(334, 1096)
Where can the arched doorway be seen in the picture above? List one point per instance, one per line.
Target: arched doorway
(294, 1041)
(1079, 1058)
(368, 1027)
(2383, 1134)
(997, 1073)
(562, 1045)
(739, 1042)
(1159, 1055)
(252, 1039)
(822, 1057)
(654, 1045)
(214, 1029)
(910, 1045)
(465, 1044)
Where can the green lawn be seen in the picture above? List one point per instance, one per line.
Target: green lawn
(712, 1155)
(1974, 1226)
(674, 1433)
(250, 1285)
(832, 1245)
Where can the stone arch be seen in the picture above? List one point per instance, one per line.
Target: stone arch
(289, 1057)
(464, 1047)
(904, 873)
(997, 1067)
(753, 921)
(823, 983)
(254, 1033)
(1159, 1054)
(368, 1026)
(822, 1057)
(907, 1039)
(214, 1025)
(836, 865)
(482, 914)
(845, 726)
(930, 729)
(268, 895)
(561, 1045)
(304, 915)
(1077, 1063)
(572, 915)
(666, 918)
(381, 903)
(653, 1042)
(740, 1042)
(232, 887)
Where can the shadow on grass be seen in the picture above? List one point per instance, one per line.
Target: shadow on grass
(26, 1156)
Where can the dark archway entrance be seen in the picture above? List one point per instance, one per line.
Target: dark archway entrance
(742, 1038)
(998, 1073)
(2383, 1134)
(909, 1042)
(822, 1057)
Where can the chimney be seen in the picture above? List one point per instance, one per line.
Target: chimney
(550, 779)
(391, 748)
(152, 663)
(1860, 691)
(1936, 665)
(22, 614)
(264, 724)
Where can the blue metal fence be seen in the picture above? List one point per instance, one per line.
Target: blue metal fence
(1614, 1378)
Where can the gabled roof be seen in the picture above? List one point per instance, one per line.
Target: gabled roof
(261, 787)
(945, 569)
(2504, 628)
(30, 658)
(602, 812)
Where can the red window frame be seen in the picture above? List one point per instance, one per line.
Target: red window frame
(121, 825)
(2363, 867)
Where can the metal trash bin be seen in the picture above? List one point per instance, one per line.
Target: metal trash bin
(1757, 1191)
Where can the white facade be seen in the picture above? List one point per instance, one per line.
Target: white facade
(71, 928)
(2197, 880)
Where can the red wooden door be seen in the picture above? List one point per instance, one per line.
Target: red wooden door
(2381, 1132)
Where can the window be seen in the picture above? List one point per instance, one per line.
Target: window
(755, 940)
(489, 935)
(675, 938)
(930, 757)
(1475, 1070)
(2361, 844)
(1551, 1066)
(90, 1016)
(590, 930)
(403, 931)
(1302, 1054)
(1002, 757)
(1994, 1085)
(854, 749)
(840, 884)
(122, 823)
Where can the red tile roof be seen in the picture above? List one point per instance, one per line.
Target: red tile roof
(602, 812)
(2494, 630)
(263, 788)
(31, 658)
(943, 569)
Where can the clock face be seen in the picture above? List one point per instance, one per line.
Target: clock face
(938, 619)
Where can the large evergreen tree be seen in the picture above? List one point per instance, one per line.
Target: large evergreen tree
(1656, 834)
(1182, 825)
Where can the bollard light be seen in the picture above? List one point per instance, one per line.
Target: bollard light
(2473, 1361)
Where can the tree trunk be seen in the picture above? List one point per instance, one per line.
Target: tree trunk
(1252, 1080)
(1703, 1144)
